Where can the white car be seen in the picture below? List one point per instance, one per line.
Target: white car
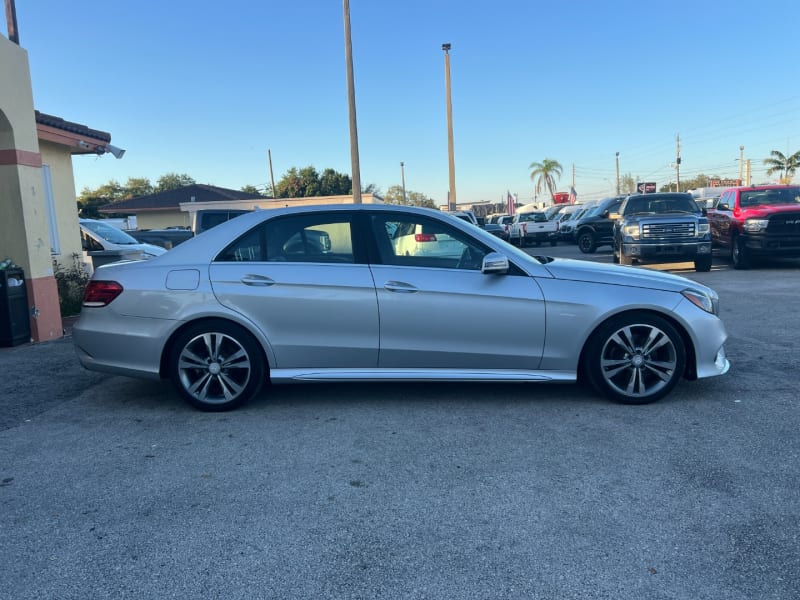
(97, 235)
(425, 240)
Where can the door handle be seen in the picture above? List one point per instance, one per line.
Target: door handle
(257, 280)
(399, 286)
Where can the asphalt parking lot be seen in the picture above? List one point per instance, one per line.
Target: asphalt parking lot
(114, 488)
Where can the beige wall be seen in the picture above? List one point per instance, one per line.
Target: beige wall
(24, 233)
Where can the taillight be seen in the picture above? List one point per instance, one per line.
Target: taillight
(424, 237)
(101, 293)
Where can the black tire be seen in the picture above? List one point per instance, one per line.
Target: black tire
(216, 365)
(702, 264)
(635, 358)
(538, 243)
(554, 242)
(586, 243)
(740, 255)
(624, 259)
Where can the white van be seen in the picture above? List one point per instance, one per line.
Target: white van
(99, 235)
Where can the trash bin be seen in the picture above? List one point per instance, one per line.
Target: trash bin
(15, 324)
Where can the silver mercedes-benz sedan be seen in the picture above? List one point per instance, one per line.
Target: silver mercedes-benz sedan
(322, 293)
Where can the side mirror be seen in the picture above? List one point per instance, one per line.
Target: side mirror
(494, 262)
(723, 206)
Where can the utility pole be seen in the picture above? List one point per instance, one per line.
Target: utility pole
(451, 198)
(747, 172)
(573, 175)
(351, 103)
(403, 178)
(617, 173)
(741, 163)
(271, 177)
(11, 20)
(678, 166)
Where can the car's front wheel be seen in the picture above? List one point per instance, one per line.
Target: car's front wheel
(586, 243)
(635, 358)
(740, 257)
(216, 365)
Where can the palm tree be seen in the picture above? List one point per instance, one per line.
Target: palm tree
(785, 165)
(544, 174)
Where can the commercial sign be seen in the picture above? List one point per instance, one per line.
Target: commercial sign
(648, 187)
(724, 182)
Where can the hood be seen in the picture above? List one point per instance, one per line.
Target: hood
(581, 270)
(766, 210)
(150, 250)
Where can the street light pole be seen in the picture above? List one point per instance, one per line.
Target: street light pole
(451, 204)
(403, 178)
(617, 173)
(351, 104)
(741, 163)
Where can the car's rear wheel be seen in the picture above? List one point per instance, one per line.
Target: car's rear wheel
(635, 358)
(586, 243)
(216, 365)
(553, 242)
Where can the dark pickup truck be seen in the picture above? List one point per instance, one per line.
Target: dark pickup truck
(166, 238)
(662, 227)
(757, 221)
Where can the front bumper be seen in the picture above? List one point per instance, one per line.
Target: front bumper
(663, 251)
(773, 245)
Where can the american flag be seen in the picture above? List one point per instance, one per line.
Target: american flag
(511, 204)
(573, 195)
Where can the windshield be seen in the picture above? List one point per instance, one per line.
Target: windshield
(109, 233)
(789, 195)
(660, 204)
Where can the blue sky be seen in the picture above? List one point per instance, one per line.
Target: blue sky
(205, 88)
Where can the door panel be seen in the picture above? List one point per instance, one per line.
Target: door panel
(458, 319)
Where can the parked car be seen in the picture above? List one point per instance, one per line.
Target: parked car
(497, 230)
(166, 238)
(532, 228)
(568, 217)
(596, 227)
(226, 311)
(662, 227)
(757, 221)
(97, 235)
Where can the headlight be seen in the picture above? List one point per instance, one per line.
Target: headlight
(755, 225)
(702, 228)
(707, 300)
(631, 231)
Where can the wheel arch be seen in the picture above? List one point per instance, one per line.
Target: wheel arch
(690, 370)
(166, 351)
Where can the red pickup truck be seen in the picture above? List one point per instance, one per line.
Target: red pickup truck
(762, 220)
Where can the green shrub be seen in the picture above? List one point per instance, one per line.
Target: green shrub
(71, 281)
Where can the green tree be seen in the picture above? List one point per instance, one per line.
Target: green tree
(784, 165)
(173, 181)
(250, 189)
(627, 184)
(544, 175)
(394, 195)
(332, 183)
(138, 186)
